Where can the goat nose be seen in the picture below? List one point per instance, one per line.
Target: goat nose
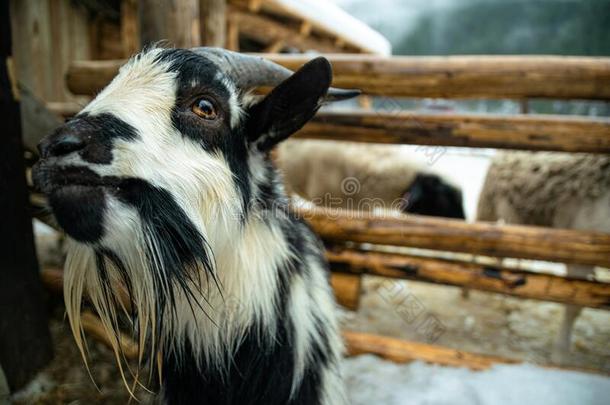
(60, 144)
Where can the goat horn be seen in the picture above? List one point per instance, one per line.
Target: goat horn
(250, 71)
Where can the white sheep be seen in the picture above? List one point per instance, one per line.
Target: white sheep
(366, 177)
(557, 190)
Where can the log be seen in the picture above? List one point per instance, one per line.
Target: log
(559, 77)
(267, 31)
(53, 34)
(64, 109)
(232, 36)
(130, 36)
(529, 132)
(213, 22)
(89, 77)
(480, 238)
(25, 339)
(516, 77)
(343, 29)
(92, 325)
(347, 288)
(176, 21)
(496, 279)
(105, 38)
(53, 280)
(36, 120)
(402, 351)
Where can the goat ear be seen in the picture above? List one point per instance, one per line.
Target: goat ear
(292, 103)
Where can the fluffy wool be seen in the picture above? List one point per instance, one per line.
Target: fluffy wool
(558, 190)
(367, 177)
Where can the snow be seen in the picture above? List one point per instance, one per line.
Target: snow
(371, 380)
(330, 18)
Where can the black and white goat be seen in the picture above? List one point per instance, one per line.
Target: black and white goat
(165, 186)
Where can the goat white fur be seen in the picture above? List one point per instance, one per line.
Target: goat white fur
(164, 185)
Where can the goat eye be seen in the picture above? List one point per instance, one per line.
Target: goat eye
(204, 109)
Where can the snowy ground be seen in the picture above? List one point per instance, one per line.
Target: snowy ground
(484, 323)
(374, 381)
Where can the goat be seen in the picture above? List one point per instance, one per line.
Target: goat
(164, 185)
(558, 190)
(364, 176)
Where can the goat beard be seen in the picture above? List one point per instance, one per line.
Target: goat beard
(138, 284)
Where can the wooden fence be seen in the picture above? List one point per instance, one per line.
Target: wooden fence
(488, 77)
(516, 77)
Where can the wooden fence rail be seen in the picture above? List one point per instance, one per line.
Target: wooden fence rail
(517, 77)
(507, 281)
(529, 132)
(481, 238)
(402, 351)
(526, 132)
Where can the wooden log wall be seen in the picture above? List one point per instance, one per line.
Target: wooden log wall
(48, 36)
(267, 31)
(176, 21)
(213, 22)
(279, 28)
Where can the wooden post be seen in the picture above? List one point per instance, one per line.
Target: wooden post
(25, 340)
(129, 27)
(232, 43)
(213, 22)
(176, 21)
(347, 288)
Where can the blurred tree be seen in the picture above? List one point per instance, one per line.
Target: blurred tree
(568, 27)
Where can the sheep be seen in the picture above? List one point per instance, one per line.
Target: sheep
(558, 190)
(367, 177)
(165, 188)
